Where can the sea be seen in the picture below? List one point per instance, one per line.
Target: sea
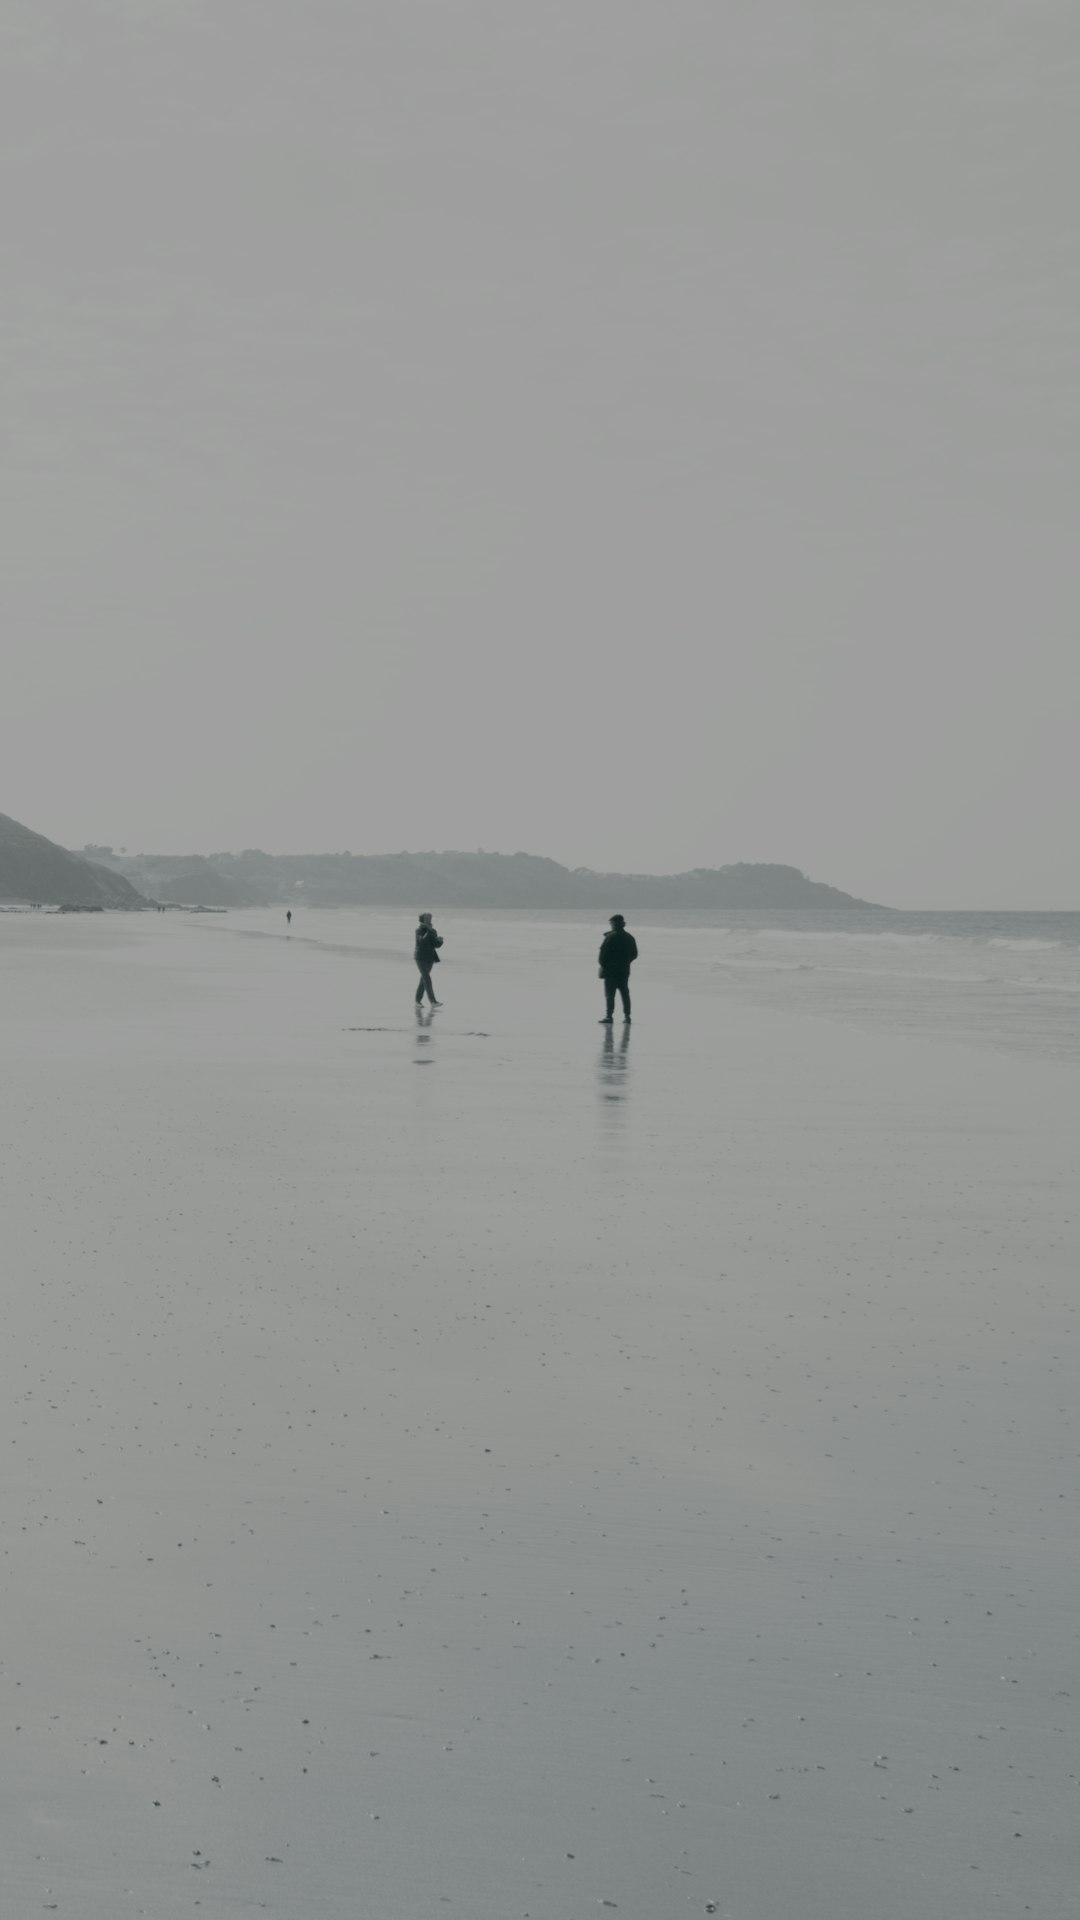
(1007, 981)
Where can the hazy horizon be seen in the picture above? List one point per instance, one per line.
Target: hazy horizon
(641, 434)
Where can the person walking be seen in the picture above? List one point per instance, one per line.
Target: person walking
(618, 951)
(426, 951)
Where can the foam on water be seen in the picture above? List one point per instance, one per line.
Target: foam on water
(967, 978)
(1023, 946)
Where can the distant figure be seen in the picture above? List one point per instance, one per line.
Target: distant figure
(428, 943)
(618, 951)
(288, 917)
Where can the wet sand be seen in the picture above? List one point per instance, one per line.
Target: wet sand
(493, 1469)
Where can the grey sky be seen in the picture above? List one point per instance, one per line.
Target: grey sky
(641, 433)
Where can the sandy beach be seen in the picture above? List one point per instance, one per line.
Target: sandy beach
(501, 1469)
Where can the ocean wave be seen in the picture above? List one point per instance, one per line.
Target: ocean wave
(856, 936)
(873, 974)
(1022, 946)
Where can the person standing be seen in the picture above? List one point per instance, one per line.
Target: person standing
(618, 951)
(426, 953)
(288, 917)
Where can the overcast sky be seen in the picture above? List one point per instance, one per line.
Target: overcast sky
(640, 431)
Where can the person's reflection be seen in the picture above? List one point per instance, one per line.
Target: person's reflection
(611, 1071)
(424, 1056)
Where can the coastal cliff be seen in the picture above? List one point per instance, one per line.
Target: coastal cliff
(36, 872)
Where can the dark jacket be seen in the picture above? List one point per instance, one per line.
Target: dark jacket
(618, 950)
(428, 943)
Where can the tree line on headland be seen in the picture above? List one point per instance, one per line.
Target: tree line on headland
(35, 869)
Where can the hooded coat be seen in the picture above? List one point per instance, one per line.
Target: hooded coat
(618, 951)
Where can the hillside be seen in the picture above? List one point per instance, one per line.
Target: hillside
(37, 871)
(412, 880)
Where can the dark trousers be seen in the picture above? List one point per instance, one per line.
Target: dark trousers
(614, 984)
(425, 987)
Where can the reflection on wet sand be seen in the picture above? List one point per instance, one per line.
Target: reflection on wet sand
(423, 1037)
(613, 1063)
